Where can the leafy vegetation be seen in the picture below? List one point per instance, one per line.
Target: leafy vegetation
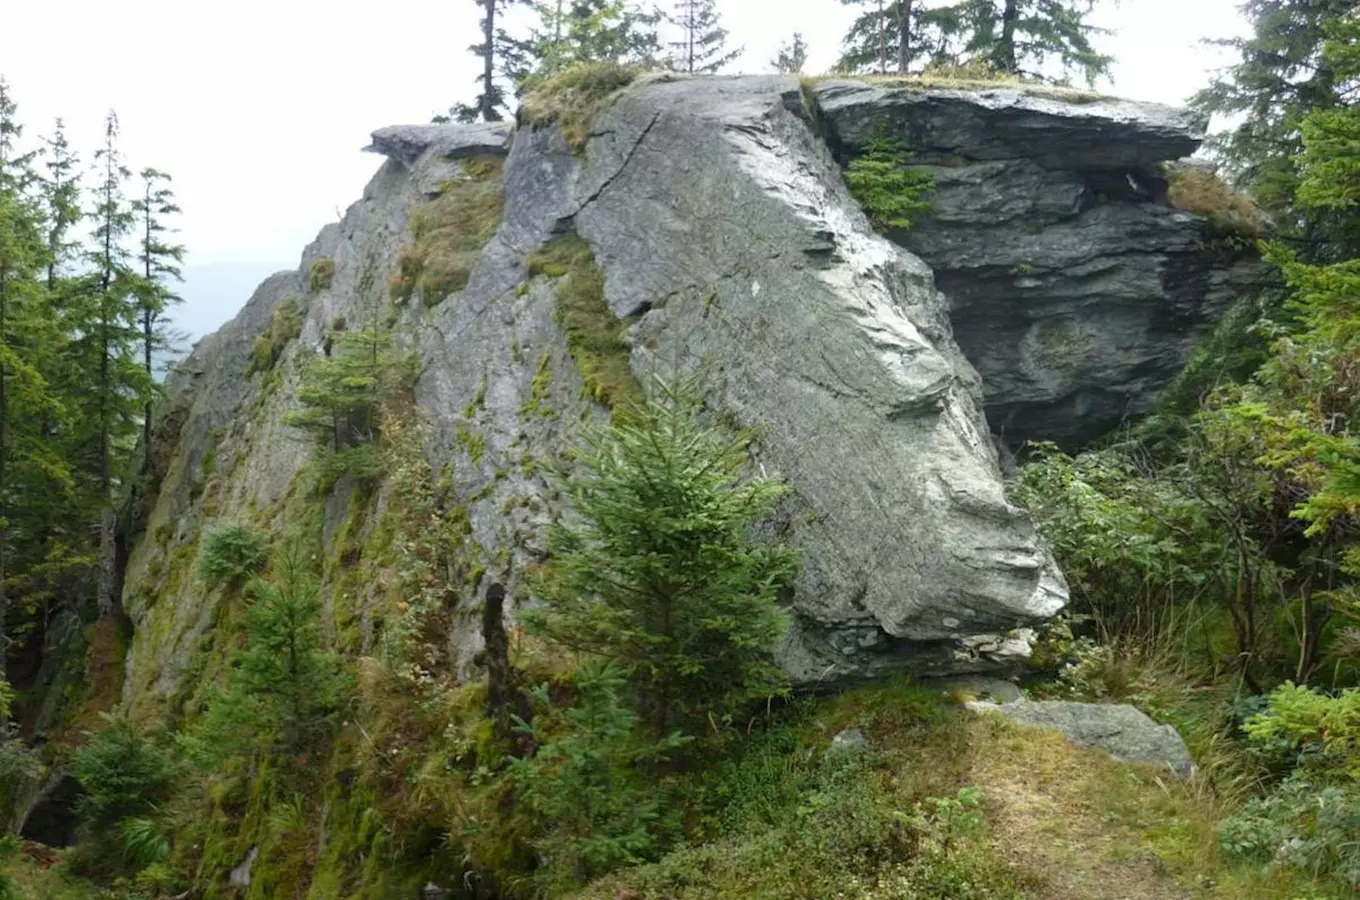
(1220, 537)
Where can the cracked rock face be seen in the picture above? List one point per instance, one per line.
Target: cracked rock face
(728, 243)
(1074, 289)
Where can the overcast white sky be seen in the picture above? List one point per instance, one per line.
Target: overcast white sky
(258, 108)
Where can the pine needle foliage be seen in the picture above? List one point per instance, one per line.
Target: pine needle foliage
(892, 193)
(658, 570)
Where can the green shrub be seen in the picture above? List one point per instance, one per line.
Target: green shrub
(1311, 821)
(891, 192)
(232, 552)
(659, 570)
(321, 275)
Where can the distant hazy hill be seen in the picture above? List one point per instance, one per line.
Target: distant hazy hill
(213, 294)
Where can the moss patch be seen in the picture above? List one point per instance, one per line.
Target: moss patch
(598, 340)
(450, 232)
(573, 98)
(284, 327)
(950, 80)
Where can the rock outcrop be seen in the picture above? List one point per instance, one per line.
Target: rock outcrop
(715, 212)
(1120, 730)
(1074, 288)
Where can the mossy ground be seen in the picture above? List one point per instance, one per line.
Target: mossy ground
(778, 816)
(930, 81)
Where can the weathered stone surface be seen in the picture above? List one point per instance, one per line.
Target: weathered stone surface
(408, 143)
(1074, 289)
(1120, 730)
(724, 228)
(729, 244)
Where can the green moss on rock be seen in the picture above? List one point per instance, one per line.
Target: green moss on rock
(574, 97)
(597, 339)
(450, 232)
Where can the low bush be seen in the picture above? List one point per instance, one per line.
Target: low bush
(232, 553)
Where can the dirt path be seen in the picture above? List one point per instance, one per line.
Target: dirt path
(1068, 819)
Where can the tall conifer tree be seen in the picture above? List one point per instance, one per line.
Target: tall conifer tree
(159, 263)
(1281, 75)
(59, 185)
(703, 43)
(109, 335)
(1025, 37)
(498, 53)
(792, 56)
(27, 459)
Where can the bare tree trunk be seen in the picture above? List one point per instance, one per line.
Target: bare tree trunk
(1005, 49)
(904, 36)
(489, 111)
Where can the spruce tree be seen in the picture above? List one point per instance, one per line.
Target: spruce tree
(108, 333)
(1281, 75)
(898, 36)
(577, 32)
(159, 263)
(29, 463)
(1025, 37)
(284, 687)
(657, 569)
(497, 51)
(59, 184)
(792, 55)
(703, 46)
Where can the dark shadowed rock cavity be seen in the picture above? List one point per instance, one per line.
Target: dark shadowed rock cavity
(1075, 290)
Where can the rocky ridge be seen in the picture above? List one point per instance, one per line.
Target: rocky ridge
(715, 212)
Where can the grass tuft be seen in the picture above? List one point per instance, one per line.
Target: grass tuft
(450, 232)
(321, 275)
(572, 99)
(1199, 190)
(597, 339)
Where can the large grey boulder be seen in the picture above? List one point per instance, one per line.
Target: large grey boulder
(1074, 288)
(1120, 730)
(716, 211)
